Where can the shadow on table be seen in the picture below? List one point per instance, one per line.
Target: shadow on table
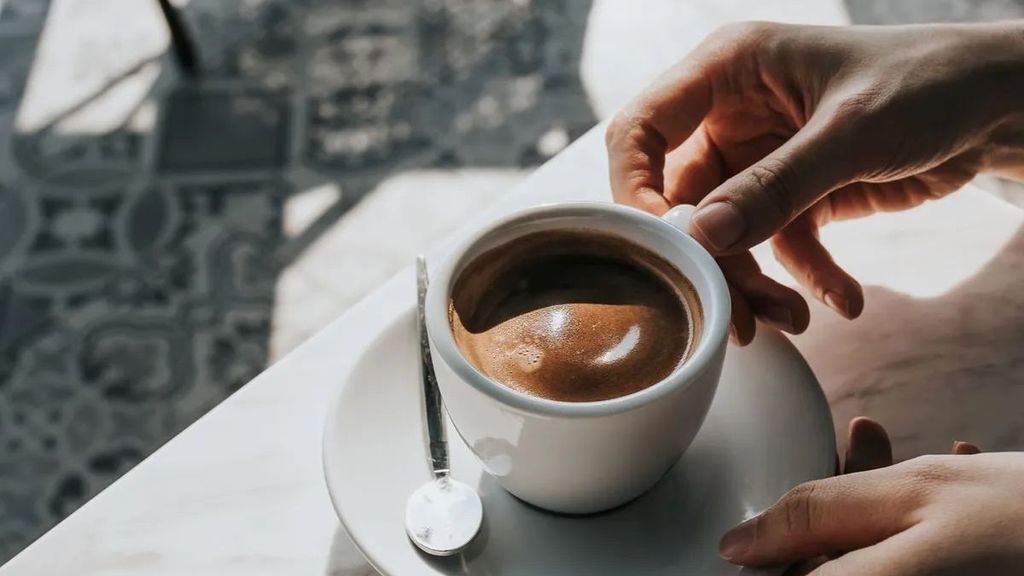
(344, 559)
(933, 370)
(920, 11)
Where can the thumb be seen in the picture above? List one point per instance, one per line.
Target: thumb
(822, 517)
(751, 206)
(965, 448)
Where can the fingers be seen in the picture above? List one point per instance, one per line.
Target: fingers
(769, 301)
(759, 201)
(825, 516)
(658, 121)
(741, 332)
(868, 516)
(869, 447)
(798, 249)
(693, 170)
(965, 448)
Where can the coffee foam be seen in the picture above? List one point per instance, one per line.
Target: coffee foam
(574, 315)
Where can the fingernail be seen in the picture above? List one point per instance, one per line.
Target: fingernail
(837, 303)
(965, 448)
(779, 316)
(733, 336)
(737, 542)
(721, 224)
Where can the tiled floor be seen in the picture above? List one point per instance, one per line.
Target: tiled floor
(149, 225)
(162, 241)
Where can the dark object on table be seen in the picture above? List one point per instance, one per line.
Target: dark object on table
(182, 44)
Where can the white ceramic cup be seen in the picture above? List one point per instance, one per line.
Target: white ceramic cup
(582, 457)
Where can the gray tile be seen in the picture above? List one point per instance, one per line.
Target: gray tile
(15, 60)
(22, 16)
(223, 130)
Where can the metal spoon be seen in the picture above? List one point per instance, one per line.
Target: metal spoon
(444, 515)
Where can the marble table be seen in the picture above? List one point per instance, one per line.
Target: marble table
(241, 492)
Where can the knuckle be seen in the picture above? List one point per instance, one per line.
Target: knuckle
(773, 181)
(800, 513)
(932, 471)
(617, 128)
(862, 104)
(747, 31)
(632, 130)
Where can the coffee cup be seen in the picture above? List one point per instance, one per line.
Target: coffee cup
(582, 456)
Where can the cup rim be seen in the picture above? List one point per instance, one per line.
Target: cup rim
(716, 320)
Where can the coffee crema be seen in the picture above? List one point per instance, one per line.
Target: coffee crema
(574, 315)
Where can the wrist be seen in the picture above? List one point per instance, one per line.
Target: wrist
(998, 93)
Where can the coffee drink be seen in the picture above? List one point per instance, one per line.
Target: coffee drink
(574, 315)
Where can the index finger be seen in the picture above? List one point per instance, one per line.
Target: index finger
(655, 123)
(824, 516)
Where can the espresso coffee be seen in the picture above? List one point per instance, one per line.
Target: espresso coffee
(574, 315)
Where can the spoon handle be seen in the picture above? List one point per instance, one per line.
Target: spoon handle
(437, 441)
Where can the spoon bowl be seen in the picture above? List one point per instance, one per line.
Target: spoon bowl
(443, 516)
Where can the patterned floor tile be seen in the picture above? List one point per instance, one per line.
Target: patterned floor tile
(140, 262)
(223, 130)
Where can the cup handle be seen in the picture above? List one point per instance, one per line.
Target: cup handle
(680, 216)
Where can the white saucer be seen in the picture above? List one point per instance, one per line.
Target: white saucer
(769, 429)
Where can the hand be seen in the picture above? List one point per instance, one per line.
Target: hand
(867, 448)
(774, 130)
(931, 516)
